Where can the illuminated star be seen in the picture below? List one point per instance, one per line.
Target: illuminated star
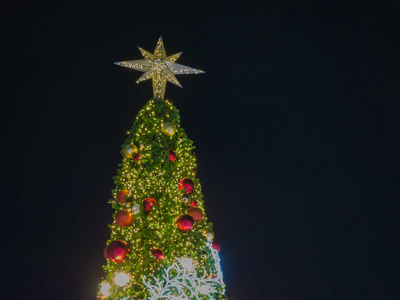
(159, 67)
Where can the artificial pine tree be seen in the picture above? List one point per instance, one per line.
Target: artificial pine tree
(161, 244)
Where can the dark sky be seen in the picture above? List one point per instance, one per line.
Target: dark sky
(296, 124)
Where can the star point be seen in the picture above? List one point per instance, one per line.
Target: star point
(159, 67)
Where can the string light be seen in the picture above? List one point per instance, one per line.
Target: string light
(121, 279)
(179, 282)
(105, 289)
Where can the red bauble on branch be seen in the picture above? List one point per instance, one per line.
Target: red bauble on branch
(186, 184)
(158, 253)
(124, 218)
(216, 245)
(171, 155)
(185, 222)
(117, 251)
(105, 252)
(136, 157)
(148, 203)
(121, 195)
(196, 213)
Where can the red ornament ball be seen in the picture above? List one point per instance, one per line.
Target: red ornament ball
(117, 251)
(216, 245)
(124, 218)
(193, 203)
(105, 252)
(122, 195)
(171, 155)
(158, 253)
(136, 157)
(196, 213)
(148, 203)
(185, 222)
(186, 184)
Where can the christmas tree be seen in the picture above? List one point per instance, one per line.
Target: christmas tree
(161, 245)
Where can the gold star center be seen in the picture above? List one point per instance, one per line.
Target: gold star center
(159, 67)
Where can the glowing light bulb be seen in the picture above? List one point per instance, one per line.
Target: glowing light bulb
(187, 263)
(105, 289)
(204, 289)
(121, 279)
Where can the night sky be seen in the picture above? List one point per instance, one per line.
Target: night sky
(296, 126)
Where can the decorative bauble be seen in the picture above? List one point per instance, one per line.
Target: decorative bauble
(158, 253)
(148, 203)
(124, 218)
(209, 234)
(196, 213)
(105, 253)
(136, 157)
(117, 251)
(135, 208)
(216, 245)
(171, 155)
(186, 184)
(185, 198)
(130, 150)
(121, 195)
(169, 129)
(185, 222)
(193, 203)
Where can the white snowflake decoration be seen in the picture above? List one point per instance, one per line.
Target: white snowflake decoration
(184, 280)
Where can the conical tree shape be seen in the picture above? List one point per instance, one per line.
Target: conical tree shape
(160, 240)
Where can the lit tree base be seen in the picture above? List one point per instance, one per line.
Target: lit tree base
(181, 281)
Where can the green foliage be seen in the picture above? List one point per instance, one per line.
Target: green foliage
(156, 176)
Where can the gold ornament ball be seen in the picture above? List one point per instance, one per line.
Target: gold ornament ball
(209, 234)
(130, 150)
(169, 129)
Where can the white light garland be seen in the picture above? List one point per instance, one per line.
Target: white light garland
(181, 278)
(105, 289)
(121, 279)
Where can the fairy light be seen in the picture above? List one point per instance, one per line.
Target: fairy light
(105, 289)
(187, 263)
(121, 279)
(203, 289)
(179, 282)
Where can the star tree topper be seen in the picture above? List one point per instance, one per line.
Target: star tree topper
(159, 67)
